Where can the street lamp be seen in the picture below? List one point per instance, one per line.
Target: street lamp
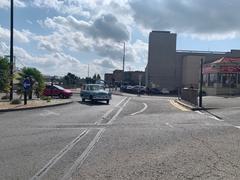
(201, 84)
(11, 52)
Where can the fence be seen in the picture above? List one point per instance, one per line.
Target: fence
(190, 95)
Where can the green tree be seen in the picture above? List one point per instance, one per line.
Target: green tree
(36, 79)
(4, 75)
(71, 79)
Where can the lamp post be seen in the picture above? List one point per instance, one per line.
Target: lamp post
(123, 75)
(11, 52)
(201, 84)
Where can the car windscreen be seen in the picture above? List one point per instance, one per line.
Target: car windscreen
(95, 87)
(59, 87)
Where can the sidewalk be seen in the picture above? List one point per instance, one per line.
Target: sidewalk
(32, 104)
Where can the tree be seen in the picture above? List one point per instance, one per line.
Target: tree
(36, 79)
(98, 77)
(71, 79)
(4, 75)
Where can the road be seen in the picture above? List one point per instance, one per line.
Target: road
(132, 138)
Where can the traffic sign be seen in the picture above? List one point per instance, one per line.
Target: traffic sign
(26, 84)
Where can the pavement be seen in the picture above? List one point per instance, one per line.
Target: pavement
(133, 137)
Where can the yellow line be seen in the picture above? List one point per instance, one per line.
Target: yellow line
(178, 106)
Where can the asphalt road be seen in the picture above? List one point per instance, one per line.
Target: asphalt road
(132, 138)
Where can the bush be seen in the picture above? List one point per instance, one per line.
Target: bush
(16, 101)
(5, 97)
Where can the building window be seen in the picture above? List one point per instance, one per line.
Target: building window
(212, 78)
(229, 80)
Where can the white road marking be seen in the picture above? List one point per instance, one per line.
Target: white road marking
(215, 118)
(48, 113)
(120, 102)
(199, 112)
(118, 112)
(90, 147)
(58, 156)
(83, 156)
(237, 127)
(143, 109)
(169, 125)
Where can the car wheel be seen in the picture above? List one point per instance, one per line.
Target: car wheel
(91, 99)
(61, 96)
(107, 101)
(83, 100)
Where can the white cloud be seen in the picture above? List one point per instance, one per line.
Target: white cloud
(17, 3)
(211, 20)
(19, 36)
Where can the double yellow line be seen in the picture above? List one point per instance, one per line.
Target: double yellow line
(182, 108)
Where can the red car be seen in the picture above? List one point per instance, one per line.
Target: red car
(57, 91)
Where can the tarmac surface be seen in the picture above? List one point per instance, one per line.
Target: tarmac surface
(144, 137)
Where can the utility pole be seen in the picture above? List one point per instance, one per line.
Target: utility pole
(201, 84)
(88, 70)
(123, 76)
(11, 52)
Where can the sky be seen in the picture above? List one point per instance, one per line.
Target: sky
(61, 36)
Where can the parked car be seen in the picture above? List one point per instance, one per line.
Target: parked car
(95, 92)
(57, 91)
(165, 91)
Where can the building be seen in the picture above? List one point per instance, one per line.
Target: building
(161, 67)
(172, 69)
(222, 76)
(128, 77)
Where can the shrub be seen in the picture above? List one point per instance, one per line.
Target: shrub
(16, 101)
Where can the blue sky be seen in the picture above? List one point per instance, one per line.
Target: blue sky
(60, 36)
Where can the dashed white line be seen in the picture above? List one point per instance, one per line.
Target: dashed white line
(237, 127)
(143, 109)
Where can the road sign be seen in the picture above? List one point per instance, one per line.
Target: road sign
(26, 84)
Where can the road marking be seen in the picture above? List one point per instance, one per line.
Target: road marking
(237, 127)
(169, 125)
(120, 102)
(215, 118)
(118, 112)
(48, 113)
(143, 109)
(58, 156)
(83, 156)
(178, 106)
(199, 112)
(109, 112)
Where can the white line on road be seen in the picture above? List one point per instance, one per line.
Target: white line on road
(92, 144)
(120, 102)
(48, 113)
(215, 118)
(169, 125)
(83, 156)
(118, 112)
(143, 109)
(199, 112)
(237, 127)
(58, 156)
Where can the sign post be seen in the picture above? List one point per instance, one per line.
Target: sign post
(26, 86)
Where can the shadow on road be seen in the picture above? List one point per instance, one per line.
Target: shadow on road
(89, 103)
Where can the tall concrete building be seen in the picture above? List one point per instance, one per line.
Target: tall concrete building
(161, 67)
(172, 69)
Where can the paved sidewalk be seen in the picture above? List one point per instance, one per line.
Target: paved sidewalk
(32, 104)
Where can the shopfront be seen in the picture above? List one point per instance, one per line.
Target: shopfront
(222, 77)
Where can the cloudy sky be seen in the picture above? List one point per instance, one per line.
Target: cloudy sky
(60, 36)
